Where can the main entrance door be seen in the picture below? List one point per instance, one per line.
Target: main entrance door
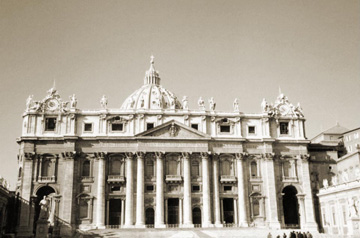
(149, 216)
(115, 212)
(228, 208)
(173, 211)
(290, 206)
(196, 213)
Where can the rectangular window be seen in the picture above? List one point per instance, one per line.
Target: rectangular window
(149, 126)
(195, 126)
(356, 135)
(50, 124)
(284, 128)
(225, 128)
(88, 127)
(149, 188)
(227, 188)
(117, 127)
(195, 188)
(251, 129)
(115, 188)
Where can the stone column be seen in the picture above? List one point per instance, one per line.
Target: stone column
(206, 221)
(100, 197)
(187, 192)
(159, 216)
(140, 182)
(216, 191)
(310, 223)
(235, 212)
(129, 203)
(241, 191)
(180, 211)
(122, 212)
(270, 192)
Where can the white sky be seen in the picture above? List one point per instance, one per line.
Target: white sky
(221, 49)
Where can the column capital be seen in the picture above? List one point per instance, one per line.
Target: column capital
(129, 155)
(268, 156)
(140, 154)
(68, 154)
(205, 155)
(241, 156)
(100, 155)
(304, 157)
(185, 155)
(29, 156)
(159, 154)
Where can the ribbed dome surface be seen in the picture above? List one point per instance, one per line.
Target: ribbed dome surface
(151, 95)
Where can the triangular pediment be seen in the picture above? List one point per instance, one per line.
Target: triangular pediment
(174, 130)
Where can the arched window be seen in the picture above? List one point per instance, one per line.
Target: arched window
(226, 167)
(83, 209)
(115, 167)
(86, 169)
(195, 168)
(253, 168)
(149, 168)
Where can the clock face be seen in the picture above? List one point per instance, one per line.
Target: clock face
(52, 104)
(284, 109)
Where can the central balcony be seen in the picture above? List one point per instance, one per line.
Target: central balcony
(173, 178)
(227, 179)
(116, 179)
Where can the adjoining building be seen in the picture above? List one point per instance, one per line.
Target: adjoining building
(8, 209)
(337, 202)
(156, 163)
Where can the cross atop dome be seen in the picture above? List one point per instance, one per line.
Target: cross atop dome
(152, 76)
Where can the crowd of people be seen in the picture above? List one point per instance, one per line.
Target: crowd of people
(293, 234)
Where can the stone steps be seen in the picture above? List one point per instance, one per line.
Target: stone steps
(189, 233)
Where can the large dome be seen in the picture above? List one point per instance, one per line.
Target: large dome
(151, 95)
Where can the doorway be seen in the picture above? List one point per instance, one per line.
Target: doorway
(173, 211)
(290, 206)
(115, 212)
(228, 208)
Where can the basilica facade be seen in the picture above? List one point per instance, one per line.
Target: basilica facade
(155, 162)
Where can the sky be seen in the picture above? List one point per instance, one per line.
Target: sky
(222, 49)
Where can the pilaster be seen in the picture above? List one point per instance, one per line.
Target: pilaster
(310, 223)
(242, 221)
(68, 199)
(271, 206)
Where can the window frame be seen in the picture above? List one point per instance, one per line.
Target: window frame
(92, 127)
(251, 133)
(46, 124)
(117, 123)
(287, 128)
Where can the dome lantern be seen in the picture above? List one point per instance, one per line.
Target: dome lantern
(152, 76)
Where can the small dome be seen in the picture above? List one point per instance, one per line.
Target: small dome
(151, 95)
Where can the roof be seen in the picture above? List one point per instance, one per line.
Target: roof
(337, 129)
